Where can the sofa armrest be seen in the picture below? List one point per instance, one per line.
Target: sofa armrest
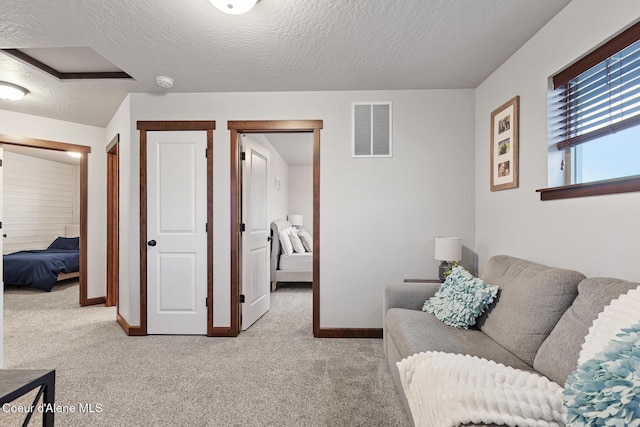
(407, 295)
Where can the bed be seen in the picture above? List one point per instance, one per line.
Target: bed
(297, 267)
(42, 268)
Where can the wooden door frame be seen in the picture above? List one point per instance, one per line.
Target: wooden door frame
(113, 222)
(186, 125)
(84, 184)
(237, 127)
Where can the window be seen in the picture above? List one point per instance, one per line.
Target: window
(611, 156)
(594, 113)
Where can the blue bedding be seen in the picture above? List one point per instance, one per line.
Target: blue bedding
(39, 268)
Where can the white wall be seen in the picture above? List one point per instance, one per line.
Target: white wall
(129, 196)
(301, 194)
(38, 196)
(378, 216)
(598, 236)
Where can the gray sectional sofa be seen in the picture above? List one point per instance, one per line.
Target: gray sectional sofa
(537, 322)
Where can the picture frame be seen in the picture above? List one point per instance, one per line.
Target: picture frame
(505, 145)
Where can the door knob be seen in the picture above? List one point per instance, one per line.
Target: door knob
(151, 243)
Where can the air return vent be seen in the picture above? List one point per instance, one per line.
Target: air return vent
(371, 129)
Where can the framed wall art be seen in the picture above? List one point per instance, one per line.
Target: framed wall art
(504, 145)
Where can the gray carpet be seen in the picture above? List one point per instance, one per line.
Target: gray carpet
(274, 374)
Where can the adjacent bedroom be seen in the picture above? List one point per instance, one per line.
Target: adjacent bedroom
(291, 209)
(41, 192)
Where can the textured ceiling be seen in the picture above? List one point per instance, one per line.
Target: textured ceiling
(280, 45)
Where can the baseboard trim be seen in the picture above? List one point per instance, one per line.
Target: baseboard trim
(350, 333)
(132, 331)
(224, 331)
(93, 301)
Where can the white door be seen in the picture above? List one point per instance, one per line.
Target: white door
(255, 246)
(176, 232)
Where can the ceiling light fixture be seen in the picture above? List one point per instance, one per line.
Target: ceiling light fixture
(164, 81)
(234, 7)
(12, 92)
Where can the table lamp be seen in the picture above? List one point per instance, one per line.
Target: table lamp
(296, 220)
(448, 250)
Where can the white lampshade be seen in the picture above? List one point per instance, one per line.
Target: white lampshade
(448, 248)
(234, 7)
(295, 220)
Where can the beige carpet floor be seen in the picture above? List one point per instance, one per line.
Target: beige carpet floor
(274, 374)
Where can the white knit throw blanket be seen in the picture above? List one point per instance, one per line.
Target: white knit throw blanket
(445, 389)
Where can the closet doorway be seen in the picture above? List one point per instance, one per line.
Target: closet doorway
(113, 221)
(83, 151)
(238, 128)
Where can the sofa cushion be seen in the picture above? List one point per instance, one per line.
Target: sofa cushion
(414, 331)
(531, 300)
(460, 299)
(558, 354)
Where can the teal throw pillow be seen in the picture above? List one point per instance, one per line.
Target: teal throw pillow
(605, 390)
(461, 299)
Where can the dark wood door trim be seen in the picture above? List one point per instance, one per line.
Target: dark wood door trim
(210, 328)
(316, 232)
(84, 191)
(269, 126)
(43, 143)
(144, 127)
(84, 183)
(113, 222)
(350, 333)
(236, 253)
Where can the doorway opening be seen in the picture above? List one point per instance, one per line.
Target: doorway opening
(113, 221)
(83, 189)
(264, 127)
(290, 213)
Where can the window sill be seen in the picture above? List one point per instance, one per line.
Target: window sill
(610, 186)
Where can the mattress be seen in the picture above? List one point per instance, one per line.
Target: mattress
(297, 262)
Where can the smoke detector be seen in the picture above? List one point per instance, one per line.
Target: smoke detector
(234, 7)
(164, 81)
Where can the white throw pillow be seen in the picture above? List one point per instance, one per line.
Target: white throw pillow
(285, 242)
(296, 242)
(307, 240)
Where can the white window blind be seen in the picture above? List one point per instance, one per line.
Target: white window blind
(601, 100)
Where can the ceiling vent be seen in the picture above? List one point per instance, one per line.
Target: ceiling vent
(371, 129)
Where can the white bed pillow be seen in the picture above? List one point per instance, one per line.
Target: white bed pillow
(298, 247)
(285, 242)
(307, 240)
